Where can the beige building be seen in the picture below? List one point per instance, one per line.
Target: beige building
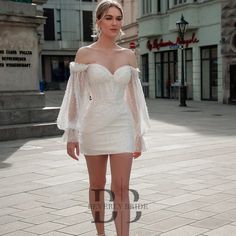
(130, 28)
(160, 48)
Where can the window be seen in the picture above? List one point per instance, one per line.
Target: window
(49, 27)
(209, 73)
(166, 73)
(145, 75)
(158, 5)
(87, 25)
(58, 24)
(176, 2)
(189, 71)
(147, 6)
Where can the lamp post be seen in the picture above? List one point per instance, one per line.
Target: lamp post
(181, 26)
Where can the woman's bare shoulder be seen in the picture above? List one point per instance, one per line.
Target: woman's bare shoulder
(82, 55)
(130, 55)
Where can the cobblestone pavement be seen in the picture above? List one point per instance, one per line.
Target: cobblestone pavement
(186, 182)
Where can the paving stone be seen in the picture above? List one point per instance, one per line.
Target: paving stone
(55, 234)
(32, 212)
(157, 216)
(179, 199)
(74, 219)
(8, 210)
(13, 226)
(168, 224)
(20, 233)
(71, 211)
(185, 231)
(8, 219)
(198, 214)
(39, 219)
(227, 230)
(44, 228)
(211, 223)
(83, 227)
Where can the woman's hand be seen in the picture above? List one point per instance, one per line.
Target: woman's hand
(136, 154)
(73, 150)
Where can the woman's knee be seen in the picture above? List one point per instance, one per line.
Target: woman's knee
(120, 189)
(97, 183)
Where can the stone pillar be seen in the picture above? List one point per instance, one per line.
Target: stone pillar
(19, 54)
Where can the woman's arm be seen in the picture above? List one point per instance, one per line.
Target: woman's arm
(136, 101)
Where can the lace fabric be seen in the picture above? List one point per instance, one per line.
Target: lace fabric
(76, 101)
(136, 101)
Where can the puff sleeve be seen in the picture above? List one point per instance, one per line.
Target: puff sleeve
(75, 100)
(136, 102)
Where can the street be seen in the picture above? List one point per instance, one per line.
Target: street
(186, 182)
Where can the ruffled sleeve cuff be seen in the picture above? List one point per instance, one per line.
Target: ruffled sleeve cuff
(76, 67)
(70, 135)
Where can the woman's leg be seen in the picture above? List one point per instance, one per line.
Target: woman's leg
(97, 179)
(120, 175)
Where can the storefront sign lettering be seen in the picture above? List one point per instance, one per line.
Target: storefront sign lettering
(159, 43)
(15, 58)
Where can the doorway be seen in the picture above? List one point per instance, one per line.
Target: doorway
(166, 73)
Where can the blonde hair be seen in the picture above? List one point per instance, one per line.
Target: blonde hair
(102, 9)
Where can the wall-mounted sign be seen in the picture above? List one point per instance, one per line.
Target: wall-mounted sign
(132, 45)
(15, 58)
(159, 43)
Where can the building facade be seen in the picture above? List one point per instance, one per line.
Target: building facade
(69, 26)
(160, 49)
(130, 24)
(228, 38)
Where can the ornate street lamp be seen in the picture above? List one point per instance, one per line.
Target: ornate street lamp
(181, 26)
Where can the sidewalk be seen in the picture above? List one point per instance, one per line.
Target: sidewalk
(186, 182)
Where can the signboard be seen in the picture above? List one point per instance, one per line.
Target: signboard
(159, 43)
(15, 58)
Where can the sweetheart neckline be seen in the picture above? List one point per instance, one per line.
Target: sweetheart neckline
(113, 74)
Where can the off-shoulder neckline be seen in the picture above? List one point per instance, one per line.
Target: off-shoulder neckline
(125, 65)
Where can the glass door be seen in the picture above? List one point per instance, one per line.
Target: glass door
(209, 73)
(166, 73)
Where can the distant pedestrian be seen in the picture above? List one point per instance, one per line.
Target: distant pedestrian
(110, 124)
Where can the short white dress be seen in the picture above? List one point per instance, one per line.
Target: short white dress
(106, 113)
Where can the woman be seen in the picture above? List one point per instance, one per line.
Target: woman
(104, 114)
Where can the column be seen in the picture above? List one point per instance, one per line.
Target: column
(220, 75)
(151, 60)
(196, 74)
(154, 6)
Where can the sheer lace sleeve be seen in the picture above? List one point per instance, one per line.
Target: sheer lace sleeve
(136, 101)
(74, 102)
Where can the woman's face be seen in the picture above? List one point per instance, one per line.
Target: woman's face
(111, 23)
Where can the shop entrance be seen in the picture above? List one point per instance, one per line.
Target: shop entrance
(233, 83)
(209, 73)
(166, 73)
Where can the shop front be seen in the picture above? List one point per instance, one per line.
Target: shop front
(201, 67)
(166, 56)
